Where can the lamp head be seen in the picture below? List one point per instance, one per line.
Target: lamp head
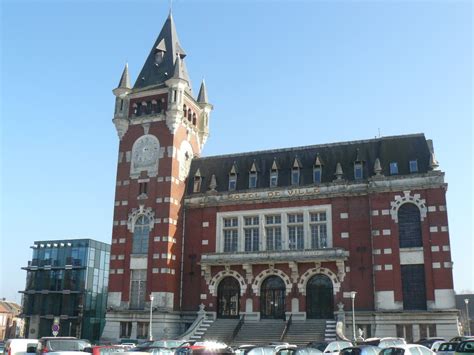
(466, 300)
(353, 294)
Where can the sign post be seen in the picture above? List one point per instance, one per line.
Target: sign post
(55, 327)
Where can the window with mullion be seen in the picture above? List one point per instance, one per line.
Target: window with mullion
(273, 238)
(140, 235)
(295, 176)
(295, 237)
(317, 173)
(251, 239)
(230, 240)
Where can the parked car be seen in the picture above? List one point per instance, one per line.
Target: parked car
(361, 350)
(429, 342)
(20, 346)
(385, 342)
(274, 349)
(407, 349)
(447, 348)
(60, 344)
(204, 347)
(105, 349)
(461, 338)
(307, 350)
(464, 347)
(243, 349)
(330, 346)
(166, 344)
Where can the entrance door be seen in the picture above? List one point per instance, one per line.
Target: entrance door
(272, 298)
(319, 298)
(228, 298)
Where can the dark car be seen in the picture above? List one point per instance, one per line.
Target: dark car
(205, 347)
(465, 347)
(50, 344)
(428, 342)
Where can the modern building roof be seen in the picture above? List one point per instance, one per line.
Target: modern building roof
(167, 44)
(329, 157)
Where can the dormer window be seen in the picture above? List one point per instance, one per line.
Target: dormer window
(233, 178)
(394, 168)
(232, 182)
(413, 166)
(317, 174)
(358, 172)
(274, 178)
(295, 176)
(253, 176)
(159, 55)
(295, 171)
(197, 181)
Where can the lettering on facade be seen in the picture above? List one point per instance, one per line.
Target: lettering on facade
(274, 194)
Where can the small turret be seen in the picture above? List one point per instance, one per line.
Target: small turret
(203, 102)
(121, 92)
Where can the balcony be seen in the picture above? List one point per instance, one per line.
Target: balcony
(275, 257)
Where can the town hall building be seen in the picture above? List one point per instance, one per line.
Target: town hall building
(276, 234)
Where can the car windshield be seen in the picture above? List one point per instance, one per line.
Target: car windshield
(466, 347)
(392, 351)
(160, 351)
(351, 351)
(307, 351)
(262, 351)
(67, 345)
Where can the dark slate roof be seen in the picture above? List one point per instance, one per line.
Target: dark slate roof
(400, 149)
(151, 74)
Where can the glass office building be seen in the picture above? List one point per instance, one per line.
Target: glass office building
(67, 283)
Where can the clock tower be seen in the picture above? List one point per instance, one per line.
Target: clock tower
(161, 127)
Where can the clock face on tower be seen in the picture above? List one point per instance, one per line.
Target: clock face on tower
(145, 154)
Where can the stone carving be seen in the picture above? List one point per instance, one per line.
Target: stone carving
(336, 283)
(185, 157)
(145, 154)
(217, 278)
(257, 283)
(137, 212)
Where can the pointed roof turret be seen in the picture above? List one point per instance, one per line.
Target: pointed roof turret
(202, 96)
(160, 63)
(377, 167)
(178, 69)
(339, 173)
(123, 87)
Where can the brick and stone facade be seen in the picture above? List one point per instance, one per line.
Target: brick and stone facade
(269, 234)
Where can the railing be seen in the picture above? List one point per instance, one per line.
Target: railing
(194, 327)
(238, 326)
(287, 327)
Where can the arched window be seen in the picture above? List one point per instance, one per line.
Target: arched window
(194, 119)
(140, 235)
(185, 110)
(409, 226)
(272, 298)
(319, 297)
(189, 115)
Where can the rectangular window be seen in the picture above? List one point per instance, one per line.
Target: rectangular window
(295, 231)
(295, 177)
(393, 168)
(413, 166)
(142, 330)
(358, 173)
(232, 182)
(413, 287)
(319, 234)
(197, 184)
(142, 188)
(252, 180)
(317, 173)
(231, 234)
(405, 331)
(251, 231)
(274, 179)
(137, 289)
(125, 329)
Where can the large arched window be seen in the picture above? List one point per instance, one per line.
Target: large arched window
(228, 296)
(140, 235)
(319, 297)
(272, 298)
(409, 226)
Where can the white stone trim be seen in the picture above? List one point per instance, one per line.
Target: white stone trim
(448, 264)
(388, 267)
(345, 235)
(156, 239)
(375, 213)
(442, 208)
(261, 213)
(205, 242)
(377, 267)
(434, 248)
(375, 232)
(436, 265)
(433, 229)
(444, 228)
(205, 224)
(387, 232)
(387, 251)
(431, 208)
(336, 285)
(377, 251)
(411, 256)
(344, 215)
(446, 248)
(257, 283)
(132, 217)
(121, 240)
(217, 278)
(385, 212)
(408, 198)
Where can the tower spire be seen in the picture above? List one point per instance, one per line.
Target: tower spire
(125, 78)
(202, 96)
(160, 63)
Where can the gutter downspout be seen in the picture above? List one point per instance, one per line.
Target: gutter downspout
(182, 260)
(372, 254)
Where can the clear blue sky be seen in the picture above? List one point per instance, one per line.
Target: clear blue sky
(279, 73)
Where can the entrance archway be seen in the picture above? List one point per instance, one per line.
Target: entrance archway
(319, 297)
(228, 298)
(272, 298)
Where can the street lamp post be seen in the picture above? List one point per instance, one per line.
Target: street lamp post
(151, 318)
(466, 301)
(353, 296)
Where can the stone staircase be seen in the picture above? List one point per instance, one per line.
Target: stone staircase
(220, 330)
(302, 332)
(202, 329)
(261, 332)
(330, 332)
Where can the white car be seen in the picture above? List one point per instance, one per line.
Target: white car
(407, 349)
(20, 346)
